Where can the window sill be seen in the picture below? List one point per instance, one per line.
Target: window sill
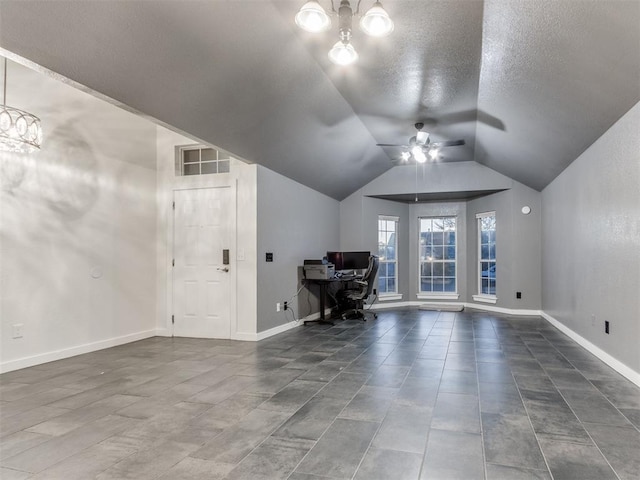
(485, 298)
(388, 297)
(438, 296)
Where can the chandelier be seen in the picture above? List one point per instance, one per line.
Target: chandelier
(20, 131)
(313, 18)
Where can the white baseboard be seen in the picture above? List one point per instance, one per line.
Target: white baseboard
(386, 306)
(617, 365)
(41, 358)
(474, 306)
(163, 332)
(506, 311)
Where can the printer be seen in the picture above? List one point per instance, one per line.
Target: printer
(320, 271)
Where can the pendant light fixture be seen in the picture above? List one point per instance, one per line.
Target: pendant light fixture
(313, 18)
(20, 131)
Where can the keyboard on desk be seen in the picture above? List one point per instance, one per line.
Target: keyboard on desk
(346, 278)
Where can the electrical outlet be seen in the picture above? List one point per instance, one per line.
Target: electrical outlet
(518, 294)
(606, 327)
(17, 330)
(278, 307)
(286, 305)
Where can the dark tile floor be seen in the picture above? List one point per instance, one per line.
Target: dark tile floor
(411, 395)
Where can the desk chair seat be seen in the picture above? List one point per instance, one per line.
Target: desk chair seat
(362, 291)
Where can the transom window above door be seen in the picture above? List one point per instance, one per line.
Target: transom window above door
(201, 160)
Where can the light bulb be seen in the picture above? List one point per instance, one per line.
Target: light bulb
(343, 53)
(418, 154)
(376, 21)
(313, 18)
(405, 156)
(433, 153)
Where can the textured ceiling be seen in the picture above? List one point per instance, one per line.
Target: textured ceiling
(527, 84)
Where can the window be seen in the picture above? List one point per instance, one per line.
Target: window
(388, 253)
(437, 245)
(198, 160)
(486, 254)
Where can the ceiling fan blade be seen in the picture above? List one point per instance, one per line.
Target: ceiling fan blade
(448, 143)
(389, 145)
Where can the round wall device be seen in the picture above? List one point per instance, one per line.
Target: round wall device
(526, 210)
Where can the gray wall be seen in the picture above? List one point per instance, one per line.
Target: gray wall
(294, 223)
(518, 237)
(359, 229)
(518, 247)
(591, 242)
(77, 226)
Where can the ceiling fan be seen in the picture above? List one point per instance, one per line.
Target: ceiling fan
(420, 147)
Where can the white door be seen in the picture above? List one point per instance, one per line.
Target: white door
(201, 271)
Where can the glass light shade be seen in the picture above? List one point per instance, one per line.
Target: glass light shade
(422, 137)
(376, 21)
(418, 154)
(433, 153)
(405, 156)
(313, 18)
(343, 53)
(20, 131)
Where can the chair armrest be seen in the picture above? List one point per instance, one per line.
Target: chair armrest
(360, 282)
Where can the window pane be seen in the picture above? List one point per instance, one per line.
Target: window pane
(449, 269)
(438, 269)
(191, 156)
(208, 154)
(425, 269)
(449, 284)
(485, 269)
(450, 253)
(391, 253)
(381, 252)
(209, 167)
(484, 237)
(382, 284)
(484, 251)
(438, 238)
(391, 270)
(438, 225)
(450, 238)
(391, 285)
(438, 252)
(193, 169)
(492, 251)
(425, 285)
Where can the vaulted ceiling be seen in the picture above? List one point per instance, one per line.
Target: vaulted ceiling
(529, 85)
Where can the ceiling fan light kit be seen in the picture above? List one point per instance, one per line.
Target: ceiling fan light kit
(420, 147)
(20, 131)
(313, 18)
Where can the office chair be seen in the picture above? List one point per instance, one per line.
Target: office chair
(362, 291)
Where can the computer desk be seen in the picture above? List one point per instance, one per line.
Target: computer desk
(323, 294)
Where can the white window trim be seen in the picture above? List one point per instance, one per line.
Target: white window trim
(438, 296)
(435, 295)
(388, 297)
(482, 297)
(485, 298)
(384, 297)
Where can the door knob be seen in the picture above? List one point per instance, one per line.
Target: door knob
(225, 269)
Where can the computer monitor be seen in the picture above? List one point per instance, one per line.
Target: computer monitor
(355, 260)
(349, 260)
(336, 259)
